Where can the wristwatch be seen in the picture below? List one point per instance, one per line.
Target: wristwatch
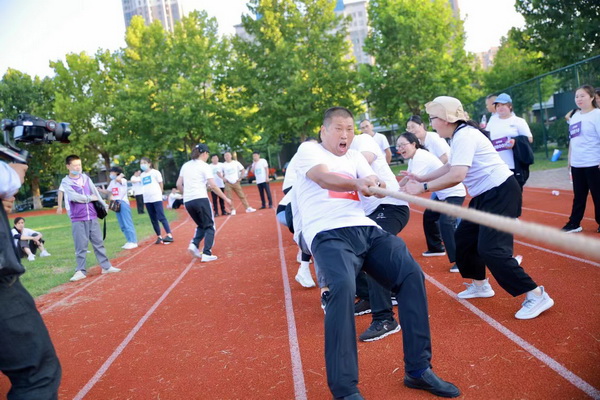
(425, 188)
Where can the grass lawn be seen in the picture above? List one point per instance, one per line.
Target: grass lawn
(45, 273)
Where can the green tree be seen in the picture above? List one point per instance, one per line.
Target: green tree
(418, 46)
(293, 67)
(566, 31)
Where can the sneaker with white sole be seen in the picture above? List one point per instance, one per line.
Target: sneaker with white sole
(31, 257)
(193, 250)
(433, 253)
(534, 305)
(45, 254)
(78, 276)
(208, 258)
(519, 259)
(233, 212)
(304, 277)
(111, 270)
(474, 291)
(130, 245)
(250, 210)
(454, 268)
(571, 228)
(379, 330)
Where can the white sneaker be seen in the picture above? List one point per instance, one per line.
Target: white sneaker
(78, 276)
(474, 291)
(232, 212)
(31, 257)
(250, 209)
(207, 258)
(125, 245)
(130, 245)
(304, 277)
(111, 270)
(193, 250)
(534, 305)
(45, 254)
(519, 259)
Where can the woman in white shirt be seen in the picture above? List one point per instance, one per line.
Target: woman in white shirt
(153, 199)
(503, 131)
(117, 189)
(584, 156)
(421, 162)
(494, 189)
(27, 240)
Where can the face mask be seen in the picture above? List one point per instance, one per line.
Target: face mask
(144, 167)
(113, 177)
(74, 172)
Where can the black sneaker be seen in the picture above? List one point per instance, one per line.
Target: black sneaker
(167, 240)
(324, 299)
(432, 383)
(437, 253)
(159, 240)
(571, 228)
(362, 307)
(216, 214)
(225, 213)
(454, 268)
(379, 330)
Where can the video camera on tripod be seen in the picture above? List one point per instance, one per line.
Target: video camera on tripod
(30, 129)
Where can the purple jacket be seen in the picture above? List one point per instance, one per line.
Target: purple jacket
(79, 198)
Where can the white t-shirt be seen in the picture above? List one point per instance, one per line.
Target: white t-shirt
(195, 175)
(26, 232)
(259, 170)
(321, 209)
(172, 197)
(381, 141)
(423, 162)
(290, 174)
(362, 143)
(436, 145)
(584, 132)
(231, 171)
(502, 131)
(471, 148)
(218, 167)
(118, 190)
(152, 191)
(136, 184)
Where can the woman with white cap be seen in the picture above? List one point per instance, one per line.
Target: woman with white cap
(494, 189)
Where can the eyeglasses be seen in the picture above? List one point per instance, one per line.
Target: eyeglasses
(402, 145)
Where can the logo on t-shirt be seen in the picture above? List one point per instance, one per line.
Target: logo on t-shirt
(353, 195)
(574, 130)
(501, 144)
(147, 180)
(115, 191)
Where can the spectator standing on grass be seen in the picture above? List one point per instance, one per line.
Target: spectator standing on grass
(260, 167)
(81, 192)
(507, 132)
(138, 190)
(27, 355)
(343, 241)
(153, 199)
(28, 241)
(117, 189)
(584, 157)
(436, 226)
(233, 174)
(493, 189)
(217, 169)
(194, 176)
(366, 126)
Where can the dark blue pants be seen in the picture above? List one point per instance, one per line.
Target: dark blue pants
(27, 356)
(340, 254)
(262, 188)
(199, 210)
(156, 213)
(438, 227)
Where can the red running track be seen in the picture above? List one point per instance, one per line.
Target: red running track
(170, 327)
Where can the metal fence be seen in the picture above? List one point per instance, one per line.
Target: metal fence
(544, 101)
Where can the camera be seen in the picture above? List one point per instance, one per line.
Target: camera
(30, 129)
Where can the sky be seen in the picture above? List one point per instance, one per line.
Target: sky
(35, 32)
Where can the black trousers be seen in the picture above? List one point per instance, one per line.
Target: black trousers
(156, 212)
(216, 198)
(139, 201)
(262, 188)
(199, 210)
(392, 219)
(340, 254)
(438, 227)
(478, 246)
(585, 180)
(27, 356)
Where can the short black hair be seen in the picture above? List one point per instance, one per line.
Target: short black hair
(416, 119)
(256, 152)
(489, 96)
(70, 158)
(116, 169)
(336, 112)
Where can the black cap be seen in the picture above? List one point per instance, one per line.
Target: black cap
(202, 148)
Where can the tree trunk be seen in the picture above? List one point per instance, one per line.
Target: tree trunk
(35, 192)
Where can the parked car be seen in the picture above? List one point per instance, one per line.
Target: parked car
(50, 198)
(250, 175)
(396, 157)
(24, 205)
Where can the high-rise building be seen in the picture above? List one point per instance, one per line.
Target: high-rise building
(168, 12)
(358, 27)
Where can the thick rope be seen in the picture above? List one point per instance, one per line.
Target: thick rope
(580, 244)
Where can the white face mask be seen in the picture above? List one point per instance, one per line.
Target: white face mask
(144, 167)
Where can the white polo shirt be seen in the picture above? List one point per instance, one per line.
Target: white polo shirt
(436, 145)
(259, 170)
(218, 167)
(150, 181)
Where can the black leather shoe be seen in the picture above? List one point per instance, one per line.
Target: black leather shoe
(354, 396)
(432, 383)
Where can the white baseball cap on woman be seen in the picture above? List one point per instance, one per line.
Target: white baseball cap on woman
(447, 108)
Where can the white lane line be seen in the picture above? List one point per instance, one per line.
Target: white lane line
(583, 260)
(83, 287)
(98, 375)
(553, 213)
(531, 349)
